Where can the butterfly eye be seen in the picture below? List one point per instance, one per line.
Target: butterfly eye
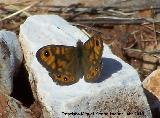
(96, 69)
(46, 53)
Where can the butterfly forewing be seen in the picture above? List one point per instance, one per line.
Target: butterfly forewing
(61, 62)
(66, 64)
(92, 53)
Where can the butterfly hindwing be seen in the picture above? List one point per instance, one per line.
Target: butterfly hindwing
(59, 61)
(92, 53)
(66, 64)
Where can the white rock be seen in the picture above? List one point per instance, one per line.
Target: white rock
(10, 59)
(119, 89)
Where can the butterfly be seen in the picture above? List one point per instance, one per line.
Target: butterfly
(66, 64)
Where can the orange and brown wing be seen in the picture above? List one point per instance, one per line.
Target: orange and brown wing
(92, 62)
(61, 63)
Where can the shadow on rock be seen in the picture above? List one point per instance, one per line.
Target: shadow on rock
(110, 66)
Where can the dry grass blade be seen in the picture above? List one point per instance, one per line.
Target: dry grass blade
(20, 11)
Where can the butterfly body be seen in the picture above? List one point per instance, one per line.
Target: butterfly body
(66, 64)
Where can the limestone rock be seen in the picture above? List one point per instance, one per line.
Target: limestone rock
(118, 92)
(10, 59)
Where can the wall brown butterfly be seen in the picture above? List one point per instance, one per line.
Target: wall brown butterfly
(66, 64)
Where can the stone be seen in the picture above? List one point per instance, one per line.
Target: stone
(117, 93)
(151, 85)
(11, 108)
(10, 59)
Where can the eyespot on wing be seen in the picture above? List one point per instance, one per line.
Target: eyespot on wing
(63, 79)
(93, 73)
(44, 55)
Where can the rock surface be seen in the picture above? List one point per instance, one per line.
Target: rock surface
(118, 92)
(11, 108)
(152, 83)
(152, 89)
(10, 59)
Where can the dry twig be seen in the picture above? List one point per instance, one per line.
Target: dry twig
(20, 11)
